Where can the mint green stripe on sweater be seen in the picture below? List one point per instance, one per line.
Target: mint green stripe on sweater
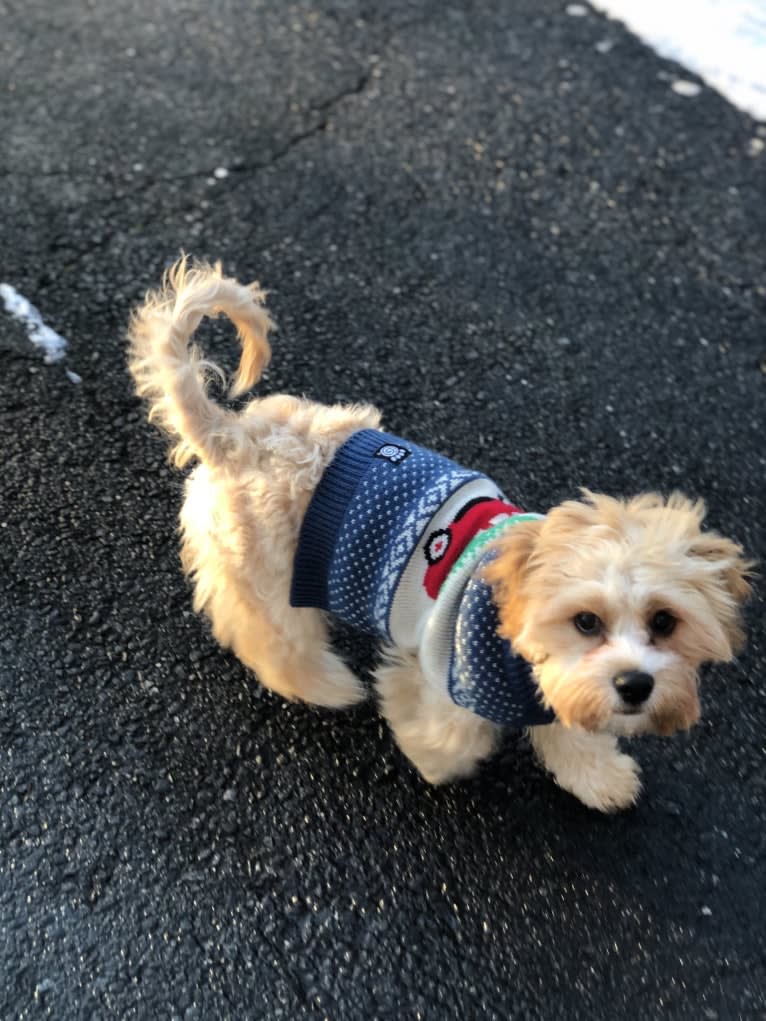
(481, 539)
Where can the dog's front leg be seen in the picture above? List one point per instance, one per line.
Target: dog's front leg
(442, 740)
(590, 766)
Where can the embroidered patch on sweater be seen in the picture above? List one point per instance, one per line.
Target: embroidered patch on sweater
(393, 453)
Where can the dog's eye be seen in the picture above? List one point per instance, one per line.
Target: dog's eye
(662, 624)
(588, 624)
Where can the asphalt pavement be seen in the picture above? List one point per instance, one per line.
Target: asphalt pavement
(533, 255)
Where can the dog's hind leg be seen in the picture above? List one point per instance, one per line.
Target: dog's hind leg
(442, 740)
(291, 654)
(237, 550)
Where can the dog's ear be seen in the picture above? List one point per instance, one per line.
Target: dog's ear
(508, 573)
(723, 579)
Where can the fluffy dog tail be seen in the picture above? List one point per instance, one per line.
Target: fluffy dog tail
(171, 373)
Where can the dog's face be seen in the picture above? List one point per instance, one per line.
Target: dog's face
(617, 603)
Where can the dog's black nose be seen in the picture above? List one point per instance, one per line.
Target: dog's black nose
(634, 687)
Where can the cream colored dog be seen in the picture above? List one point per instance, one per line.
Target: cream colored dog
(615, 604)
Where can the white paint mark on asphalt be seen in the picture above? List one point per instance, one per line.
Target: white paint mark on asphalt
(722, 41)
(73, 377)
(42, 336)
(576, 10)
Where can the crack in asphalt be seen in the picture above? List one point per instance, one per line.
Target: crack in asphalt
(240, 174)
(326, 108)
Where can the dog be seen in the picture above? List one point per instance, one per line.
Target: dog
(582, 626)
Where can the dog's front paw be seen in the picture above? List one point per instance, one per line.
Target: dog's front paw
(590, 766)
(608, 784)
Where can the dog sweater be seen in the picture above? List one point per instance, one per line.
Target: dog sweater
(394, 542)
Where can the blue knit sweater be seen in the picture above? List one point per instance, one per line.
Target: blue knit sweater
(370, 552)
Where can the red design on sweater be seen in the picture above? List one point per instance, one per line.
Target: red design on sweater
(444, 546)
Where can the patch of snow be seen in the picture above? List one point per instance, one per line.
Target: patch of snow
(722, 41)
(52, 343)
